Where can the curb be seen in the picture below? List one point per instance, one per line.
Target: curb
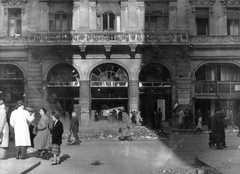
(31, 168)
(207, 164)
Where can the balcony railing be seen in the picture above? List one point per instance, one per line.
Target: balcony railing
(99, 38)
(213, 87)
(214, 40)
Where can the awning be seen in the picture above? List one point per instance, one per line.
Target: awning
(206, 96)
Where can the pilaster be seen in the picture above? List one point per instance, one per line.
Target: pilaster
(85, 102)
(124, 16)
(84, 15)
(133, 95)
(132, 15)
(92, 16)
(43, 16)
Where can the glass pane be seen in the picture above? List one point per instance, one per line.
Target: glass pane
(224, 88)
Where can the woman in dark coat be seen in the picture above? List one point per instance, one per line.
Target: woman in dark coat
(218, 134)
(57, 131)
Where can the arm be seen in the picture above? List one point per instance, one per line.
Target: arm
(3, 120)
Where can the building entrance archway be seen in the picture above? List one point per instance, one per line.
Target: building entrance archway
(63, 83)
(109, 89)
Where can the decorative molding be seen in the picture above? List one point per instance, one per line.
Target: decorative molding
(202, 2)
(76, 7)
(23, 11)
(141, 7)
(232, 2)
(123, 8)
(92, 8)
(43, 8)
(5, 12)
(14, 2)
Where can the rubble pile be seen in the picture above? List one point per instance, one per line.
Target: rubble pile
(111, 133)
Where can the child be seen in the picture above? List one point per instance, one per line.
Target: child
(57, 131)
(199, 125)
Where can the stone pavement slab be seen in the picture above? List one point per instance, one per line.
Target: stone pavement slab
(225, 161)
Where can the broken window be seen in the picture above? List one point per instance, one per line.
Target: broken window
(14, 21)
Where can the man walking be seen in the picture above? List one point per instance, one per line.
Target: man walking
(74, 129)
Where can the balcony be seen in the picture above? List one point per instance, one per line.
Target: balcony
(99, 38)
(215, 40)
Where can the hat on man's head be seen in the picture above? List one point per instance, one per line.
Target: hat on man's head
(56, 115)
(1, 102)
(20, 103)
(29, 109)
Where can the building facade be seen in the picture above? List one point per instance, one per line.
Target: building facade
(91, 55)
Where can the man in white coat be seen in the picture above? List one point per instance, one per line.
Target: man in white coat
(19, 121)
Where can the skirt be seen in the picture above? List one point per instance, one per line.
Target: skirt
(56, 149)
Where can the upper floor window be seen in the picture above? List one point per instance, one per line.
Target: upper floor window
(60, 22)
(14, 21)
(202, 21)
(108, 21)
(157, 20)
(233, 21)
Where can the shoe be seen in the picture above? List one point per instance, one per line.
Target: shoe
(76, 144)
(58, 162)
(54, 163)
(17, 157)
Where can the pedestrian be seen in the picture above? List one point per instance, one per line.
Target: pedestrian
(199, 114)
(138, 118)
(199, 125)
(217, 127)
(4, 131)
(238, 122)
(211, 142)
(181, 119)
(158, 119)
(32, 126)
(125, 128)
(19, 121)
(74, 129)
(133, 117)
(42, 140)
(57, 131)
(96, 116)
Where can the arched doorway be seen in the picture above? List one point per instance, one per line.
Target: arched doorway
(63, 84)
(155, 92)
(11, 86)
(217, 84)
(109, 89)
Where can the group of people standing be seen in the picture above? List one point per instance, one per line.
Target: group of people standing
(186, 120)
(217, 129)
(30, 130)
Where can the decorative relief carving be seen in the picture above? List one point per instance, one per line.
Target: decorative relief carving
(202, 2)
(123, 8)
(43, 8)
(75, 8)
(5, 12)
(92, 8)
(14, 2)
(23, 11)
(172, 8)
(203, 40)
(141, 7)
(233, 2)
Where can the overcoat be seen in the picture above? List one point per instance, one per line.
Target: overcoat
(4, 128)
(217, 127)
(126, 125)
(43, 138)
(57, 131)
(19, 121)
(74, 124)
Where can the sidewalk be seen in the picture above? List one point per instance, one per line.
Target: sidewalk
(226, 162)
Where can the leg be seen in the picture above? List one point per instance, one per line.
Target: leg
(3, 153)
(77, 141)
(23, 152)
(69, 137)
(18, 150)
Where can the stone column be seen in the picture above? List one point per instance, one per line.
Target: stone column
(92, 16)
(75, 17)
(141, 15)
(124, 16)
(172, 15)
(85, 102)
(133, 95)
(84, 15)
(132, 15)
(43, 16)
